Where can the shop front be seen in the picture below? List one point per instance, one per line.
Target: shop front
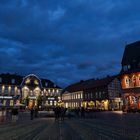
(9, 101)
(131, 102)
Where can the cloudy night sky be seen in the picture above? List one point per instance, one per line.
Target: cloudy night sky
(66, 40)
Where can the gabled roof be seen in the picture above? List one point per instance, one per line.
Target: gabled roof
(89, 84)
(131, 54)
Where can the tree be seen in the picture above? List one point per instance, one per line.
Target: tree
(39, 101)
(26, 100)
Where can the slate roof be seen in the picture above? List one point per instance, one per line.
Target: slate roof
(131, 54)
(7, 80)
(89, 84)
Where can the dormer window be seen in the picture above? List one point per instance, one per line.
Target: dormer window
(129, 66)
(125, 68)
(13, 81)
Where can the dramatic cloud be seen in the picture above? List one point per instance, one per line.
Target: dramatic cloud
(66, 41)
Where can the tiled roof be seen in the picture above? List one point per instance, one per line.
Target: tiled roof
(89, 84)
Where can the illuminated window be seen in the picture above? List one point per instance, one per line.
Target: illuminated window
(4, 103)
(27, 81)
(78, 96)
(36, 82)
(134, 81)
(3, 88)
(51, 103)
(139, 80)
(11, 102)
(9, 89)
(127, 82)
(81, 95)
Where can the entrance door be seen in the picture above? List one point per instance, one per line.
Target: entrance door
(31, 104)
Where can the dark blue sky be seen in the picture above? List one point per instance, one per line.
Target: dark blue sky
(66, 40)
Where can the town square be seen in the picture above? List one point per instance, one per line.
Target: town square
(69, 70)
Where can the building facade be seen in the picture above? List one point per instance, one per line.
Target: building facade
(102, 94)
(130, 77)
(29, 90)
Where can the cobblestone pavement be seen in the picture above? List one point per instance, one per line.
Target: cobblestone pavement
(99, 126)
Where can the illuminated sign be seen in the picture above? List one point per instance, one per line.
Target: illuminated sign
(32, 97)
(6, 97)
(51, 98)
